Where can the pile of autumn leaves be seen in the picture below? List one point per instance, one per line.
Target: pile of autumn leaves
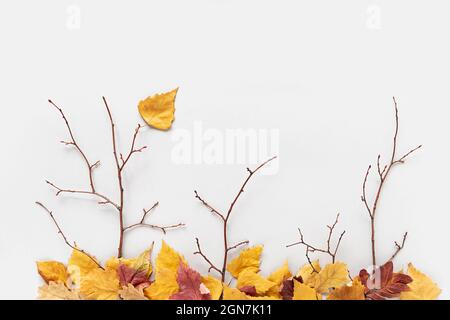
(132, 279)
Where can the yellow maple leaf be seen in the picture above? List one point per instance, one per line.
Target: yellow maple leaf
(79, 265)
(281, 274)
(52, 271)
(236, 294)
(166, 269)
(333, 275)
(158, 110)
(309, 273)
(214, 286)
(163, 287)
(248, 277)
(129, 292)
(57, 291)
(233, 294)
(247, 259)
(304, 292)
(100, 284)
(353, 292)
(113, 263)
(421, 288)
(141, 262)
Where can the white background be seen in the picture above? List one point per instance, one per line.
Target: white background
(322, 72)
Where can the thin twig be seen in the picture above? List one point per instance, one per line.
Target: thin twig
(242, 243)
(311, 249)
(364, 196)
(64, 236)
(206, 204)
(200, 252)
(398, 246)
(73, 142)
(153, 226)
(132, 149)
(105, 199)
(147, 211)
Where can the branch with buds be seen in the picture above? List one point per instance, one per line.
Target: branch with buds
(383, 173)
(121, 161)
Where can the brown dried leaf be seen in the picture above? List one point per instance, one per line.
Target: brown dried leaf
(129, 292)
(384, 284)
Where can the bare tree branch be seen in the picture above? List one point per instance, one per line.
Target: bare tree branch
(120, 164)
(383, 175)
(225, 219)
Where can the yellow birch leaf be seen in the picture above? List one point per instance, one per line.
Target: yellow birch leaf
(100, 284)
(214, 286)
(308, 274)
(129, 292)
(304, 292)
(247, 259)
(52, 271)
(249, 278)
(421, 288)
(278, 276)
(57, 291)
(353, 292)
(165, 284)
(158, 110)
(333, 275)
(80, 265)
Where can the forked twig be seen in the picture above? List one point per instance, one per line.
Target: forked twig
(398, 246)
(142, 223)
(225, 218)
(311, 249)
(383, 175)
(64, 236)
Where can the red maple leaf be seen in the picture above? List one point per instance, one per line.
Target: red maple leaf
(249, 290)
(384, 283)
(190, 283)
(128, 275)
